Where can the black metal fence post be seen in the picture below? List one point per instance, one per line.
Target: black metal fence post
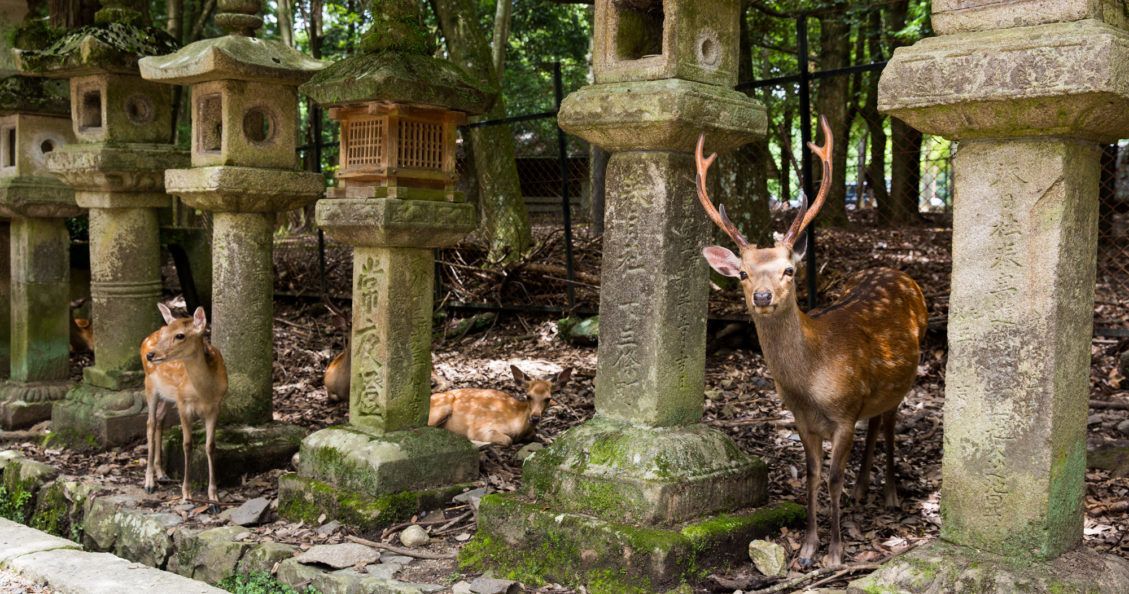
(805, 154)
(566, 208)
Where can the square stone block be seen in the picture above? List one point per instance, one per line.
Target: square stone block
(1064, 79)
(27, 139)
(648, 40)
(36, 196)
(244, 189)
(963, 16)
(392, 222)
(131, 170)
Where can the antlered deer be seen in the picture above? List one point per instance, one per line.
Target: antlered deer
(854, 359)
(181, 367)
(494, 416)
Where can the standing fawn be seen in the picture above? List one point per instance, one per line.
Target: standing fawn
(854, 359)
(493, 416)
(181, 367)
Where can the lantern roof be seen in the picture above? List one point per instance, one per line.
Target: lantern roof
(396, 64)
(119, 37)
(235, 56)
(25, 94)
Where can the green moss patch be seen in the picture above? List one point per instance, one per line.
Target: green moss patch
(304, 499)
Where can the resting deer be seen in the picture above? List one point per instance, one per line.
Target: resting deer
(181, 367)
(854, 359)
(493, 416)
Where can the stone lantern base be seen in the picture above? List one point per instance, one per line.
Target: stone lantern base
(944, 567)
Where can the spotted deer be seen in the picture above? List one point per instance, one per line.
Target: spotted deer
(494, 416)
(182, 367)
(853, 359)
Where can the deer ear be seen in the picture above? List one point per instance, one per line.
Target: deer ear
(519, 376)
(725, 262)
(82, 322)
(166, 313)
(199, 319)
(562, 378)
(800, 248)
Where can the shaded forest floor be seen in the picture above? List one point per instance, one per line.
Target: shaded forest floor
(739, 396)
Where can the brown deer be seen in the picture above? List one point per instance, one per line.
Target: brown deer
(493, 416)
(180, 366)
(854, 359)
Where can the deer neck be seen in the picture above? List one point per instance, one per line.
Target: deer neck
(786, 344)
(199, 368)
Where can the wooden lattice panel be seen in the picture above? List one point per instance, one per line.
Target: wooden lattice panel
(421, 145)
(364, 143)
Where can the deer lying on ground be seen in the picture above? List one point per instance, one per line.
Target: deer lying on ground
(492, 416)
(181, 367)
(338, 371)
(854, 359)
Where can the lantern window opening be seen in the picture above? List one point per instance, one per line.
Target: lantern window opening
(420, 145)
(209, 123)
(8, 149)
(46, 146)
(258, 125)
(365, 142)
(90, 114)
(639, 29)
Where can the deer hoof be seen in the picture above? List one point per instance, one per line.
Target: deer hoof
(150, 489)
(804, 563)
(213, 509)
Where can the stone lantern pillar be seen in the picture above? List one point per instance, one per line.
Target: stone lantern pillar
(122, 125)
(1029, 89)
(244, 102)
(398, 107)
(636, 492)
(34, 122)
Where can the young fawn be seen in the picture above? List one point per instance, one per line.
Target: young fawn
(493, 416)
(854, 359)
(81, 332)
(181, 367)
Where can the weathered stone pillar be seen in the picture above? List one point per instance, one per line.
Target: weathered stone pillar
(244, 136)
(645, 474)
(1029, 92)
(33, 124)
(395, 202)
(122, 125)
(5, 297)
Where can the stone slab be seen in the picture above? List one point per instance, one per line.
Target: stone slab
(244, 189)
(526, 541)
(241, 450)
(97, 418)
(943, 567)
(33, 196)
(231, 57)
(962, 16)
(1064, 79)
(390, 222)
(307, 500)
(17, 540)
(78, 572)
(346, 581)
(124, 168)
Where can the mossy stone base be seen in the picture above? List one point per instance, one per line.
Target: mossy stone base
(306, 500)
(23, 404)
(96, 418)
(240, 450)
(944, 567)
(377, 465)
(524, 541)
(629, 473)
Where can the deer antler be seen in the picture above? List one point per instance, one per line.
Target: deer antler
(807, 214)
(719, 218)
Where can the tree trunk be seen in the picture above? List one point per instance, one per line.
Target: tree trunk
(502, 13)
(286, 21)
(743, 173)
(504, 220)
(831, 101)
(905, 173)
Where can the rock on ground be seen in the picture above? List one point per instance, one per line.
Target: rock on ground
(414, 536)
(340, 556)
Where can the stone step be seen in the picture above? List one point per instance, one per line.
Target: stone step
(65, 568)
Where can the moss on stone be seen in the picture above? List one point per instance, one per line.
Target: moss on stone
(303, 499)
(114, 46)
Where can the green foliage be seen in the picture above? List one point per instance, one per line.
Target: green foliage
(14, 504)
(260, 582)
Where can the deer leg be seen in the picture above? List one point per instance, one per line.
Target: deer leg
(210, 450)
(813, 452)
(151, 438)
(186, 433)
(493, 436)
(840, 452)
(862, 483)
(890, 488)
(158, 432)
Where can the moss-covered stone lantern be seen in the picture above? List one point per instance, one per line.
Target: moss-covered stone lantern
(34, 121)
(398, 107)
(123, 127)
(244, 138)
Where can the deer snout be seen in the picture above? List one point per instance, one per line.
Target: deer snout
(535, 419)
(762, 298)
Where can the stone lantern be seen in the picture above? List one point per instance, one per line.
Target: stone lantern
(644, 491)
(34, 121)
(123, 126)
(398, 107)
(244, 102)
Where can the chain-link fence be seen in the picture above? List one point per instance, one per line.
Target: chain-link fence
(1111, 296)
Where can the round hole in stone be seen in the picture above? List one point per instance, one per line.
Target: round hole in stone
(258, 126)
(139, 109)
(47, 146)
(708, 52)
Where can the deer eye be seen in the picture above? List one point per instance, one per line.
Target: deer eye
(743, 275)
(789, 271)
(179, 337)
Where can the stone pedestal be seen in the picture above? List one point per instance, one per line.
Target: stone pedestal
(387, 463)
(644, 494)
(1029, 105)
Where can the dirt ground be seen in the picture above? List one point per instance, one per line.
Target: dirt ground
(740, 400)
